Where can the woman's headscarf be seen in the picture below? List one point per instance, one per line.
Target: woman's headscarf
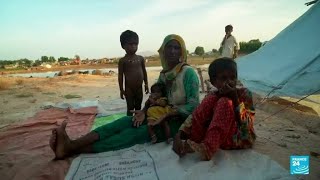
(183, 58)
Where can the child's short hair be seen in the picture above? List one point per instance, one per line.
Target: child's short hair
(220, 65)
(159, 86)
(126, 36)
(229, 27)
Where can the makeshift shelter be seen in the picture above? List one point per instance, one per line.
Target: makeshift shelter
(289, 64)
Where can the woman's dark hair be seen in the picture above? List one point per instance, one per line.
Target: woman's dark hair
(220, 65)
(159, 87)
(126, 36)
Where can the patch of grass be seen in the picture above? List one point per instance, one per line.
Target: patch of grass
(4, 84)
(71, 96)
(24, 95)
(49, 93)
(19, 81)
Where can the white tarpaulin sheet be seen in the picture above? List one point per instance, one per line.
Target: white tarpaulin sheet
(290, 62)
(158, 161)
(104, 108)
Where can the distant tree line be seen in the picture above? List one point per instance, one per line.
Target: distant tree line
(201, 52)
(21, 62)
(29, 63)
(251, 46)
(245, 47)
(63, 59)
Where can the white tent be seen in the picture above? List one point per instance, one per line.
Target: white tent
(289, 64)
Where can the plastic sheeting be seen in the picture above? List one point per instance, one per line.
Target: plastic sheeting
(289, 64)
(104, 108)
(160, 162)
(100, 121)
(24, 147)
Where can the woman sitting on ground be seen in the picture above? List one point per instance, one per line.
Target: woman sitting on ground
(182, 86)
(224, 119)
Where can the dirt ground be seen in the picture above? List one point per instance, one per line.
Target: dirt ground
(295, 131)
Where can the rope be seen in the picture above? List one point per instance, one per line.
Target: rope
(292, 104)
(266, 97)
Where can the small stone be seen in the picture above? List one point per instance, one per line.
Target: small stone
(283, 145)
(312, 131)
(295, 136)
(33, 100)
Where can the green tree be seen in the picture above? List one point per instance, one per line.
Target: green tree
(6, 62)
(25, 62)
(61, 59)
(251, 46)
(9, 62)
(37, 62)
(52, 59)
(77, 57)
(199, 51)
(215, 51)
(44, 59)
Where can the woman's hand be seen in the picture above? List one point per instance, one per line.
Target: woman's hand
(138, 117)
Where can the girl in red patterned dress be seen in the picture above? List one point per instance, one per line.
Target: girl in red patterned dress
(224, 119)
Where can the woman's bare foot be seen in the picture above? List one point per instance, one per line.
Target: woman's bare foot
(62, 142)
(178, 146)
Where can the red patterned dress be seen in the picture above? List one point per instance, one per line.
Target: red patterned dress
(217, 123)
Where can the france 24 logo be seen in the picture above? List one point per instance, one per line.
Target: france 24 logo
(299, 164)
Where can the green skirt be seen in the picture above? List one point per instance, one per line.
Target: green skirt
(121, 134)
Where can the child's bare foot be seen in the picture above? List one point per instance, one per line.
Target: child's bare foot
(169, 140)
(62, 142)
(154, 139)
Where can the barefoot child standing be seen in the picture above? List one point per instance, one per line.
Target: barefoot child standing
(133, 68)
